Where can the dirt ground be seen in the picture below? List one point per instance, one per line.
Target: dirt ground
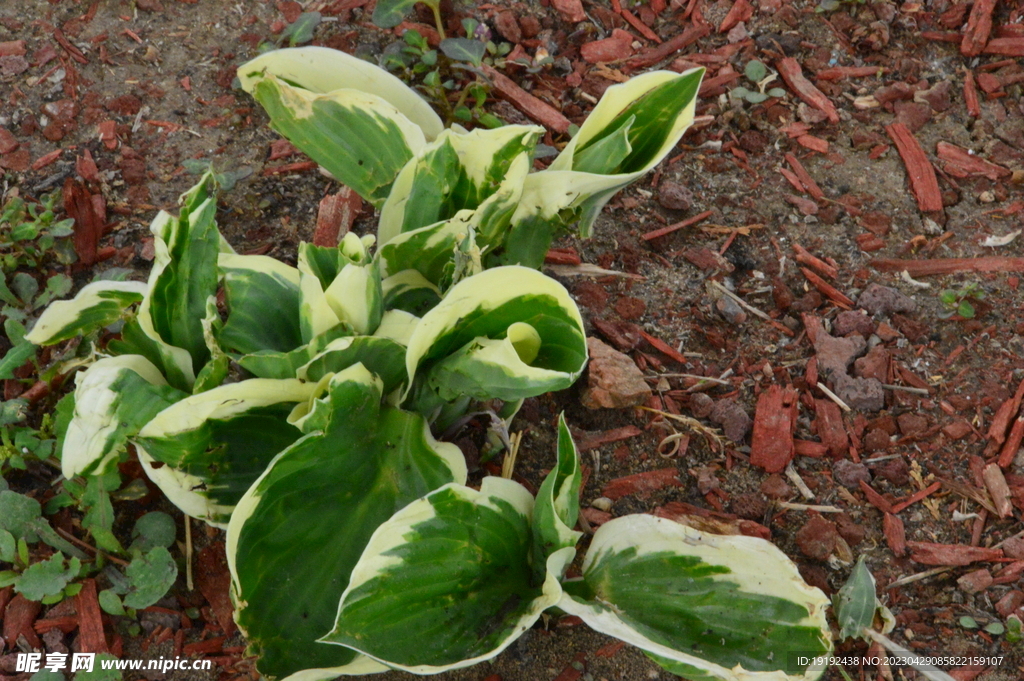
(142, 86)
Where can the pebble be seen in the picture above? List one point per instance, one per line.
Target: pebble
(776, 487)
(883, 301)
(730, 310)
(817, 538)
(701, 405)
(852, 532)
(912, 424)
(848, 474)
(734, 421)
(895, 471)
(863, 394)
(674, 196)
(877, 440)
(853, 321)
(613, 380)
(975, 581)
(875, 364)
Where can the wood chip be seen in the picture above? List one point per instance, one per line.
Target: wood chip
(214, 582)
(942, 266)
(588, 442)
(335, 217)
(874, 498)
(928, 553)
(971, 95)
(805, 178)
(792, 74)
(663, 347)
(961, 163)
(640, 26)
(89, 224)
(690, 35)
(827, 290)
(741, 10)
(654, 234)
(922, 176)
(1010, 47)
(828, 423)
(917, 496)
(817, 264)
(813, 143)
(895, 535)
(540, 111)
(844, 72)
(562, 256)
(771, 446)
(979, 27)
(1013, 441)
(91, 638)
(641, 483)
(998, 490)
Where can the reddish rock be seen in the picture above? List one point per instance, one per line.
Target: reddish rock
(776, 487)
(507, 26)
(571, 10)
(753, 141)
(613, 380)
(771, 445)
(836, 354)
(853, 533)
(133, 170)
(877, 441)
(849, 474)
(895, 471)
(817, 538)
(706, 259)
(641, 483)
(125, 105)
(912, 114)
(733, 419)
(895, 92)
(750, 506)
(674, 196)
(975, 581)
(618, 46)
(828, 424)
(530, 25)
(701, 405)
(884, 301)
(1013, 600)
(595, 516)
(7, 141)
(16, 161)
(875, 364)
(1014, 548)
(912, 425)
(853, 321)
(876, 222)
(937, 97)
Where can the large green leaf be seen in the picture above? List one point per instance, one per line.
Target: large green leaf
(356, 298)
(382, 356)
(558, 502)
(322, 70)
(446, 582)
(359, 137)
(459, 171)
(297, 533)
(409, 291)
(648, 114)
(262, 296)
(95, 306)
(508, 332)
(705, 606)
(206, 450)
(114, 398)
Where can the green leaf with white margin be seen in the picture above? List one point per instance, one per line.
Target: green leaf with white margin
(322, 70)
(458, 171)
(705, 606)
(206, 450)
(358, 129)
(114, 398)
(508, 332)
(184, 275)
(97, 305)
(300, 529)
(262, 296)
(447, 582)
(216, 369)
(409, 291)
(270, 364)
(382, 356)
(428, 250)
(138, 338)
(558, 502)
(662, 105)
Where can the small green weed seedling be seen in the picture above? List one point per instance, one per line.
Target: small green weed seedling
(758, 74)
(958, 301)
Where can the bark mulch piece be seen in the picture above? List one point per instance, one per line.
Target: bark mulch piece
(791, 72)
(594, 441)
(337, 213)
(895, 535)
(979, 27)
(641, 483)
(214, 582)
(540, 111)
(960, 163)
(943, 266)
(919, 169)
(771, 446)
(91, 638)
(19, 615)
(929, 553)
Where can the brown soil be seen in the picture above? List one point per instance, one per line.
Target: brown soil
(160, 72)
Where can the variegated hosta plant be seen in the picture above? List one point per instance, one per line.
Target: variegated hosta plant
(301, 406)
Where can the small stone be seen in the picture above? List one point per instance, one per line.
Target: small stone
(7, 141)
(730, 310)
(895, 471)
(883, 301)
(875, 364)
(957, 430)
(853, 321)
(862, 394)
(674, 196)
(937, 96)
(507, 26)
(1014, 548)
(530, 25)
(701, 405)
(591, 295)
(877, 441)
(149, 5)
(976, 581)
(1013, 600)
(912, 424)
(913, 115)
(753, 141)
(817, 538)
(835, 355)
(897, 91)
(852, 532)
(734, 421)
(849, 474)
(571, 10)
(776, 487)
(133, 170)
(808, 302)
(12, 65)
(602, 503)
(613, 380)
